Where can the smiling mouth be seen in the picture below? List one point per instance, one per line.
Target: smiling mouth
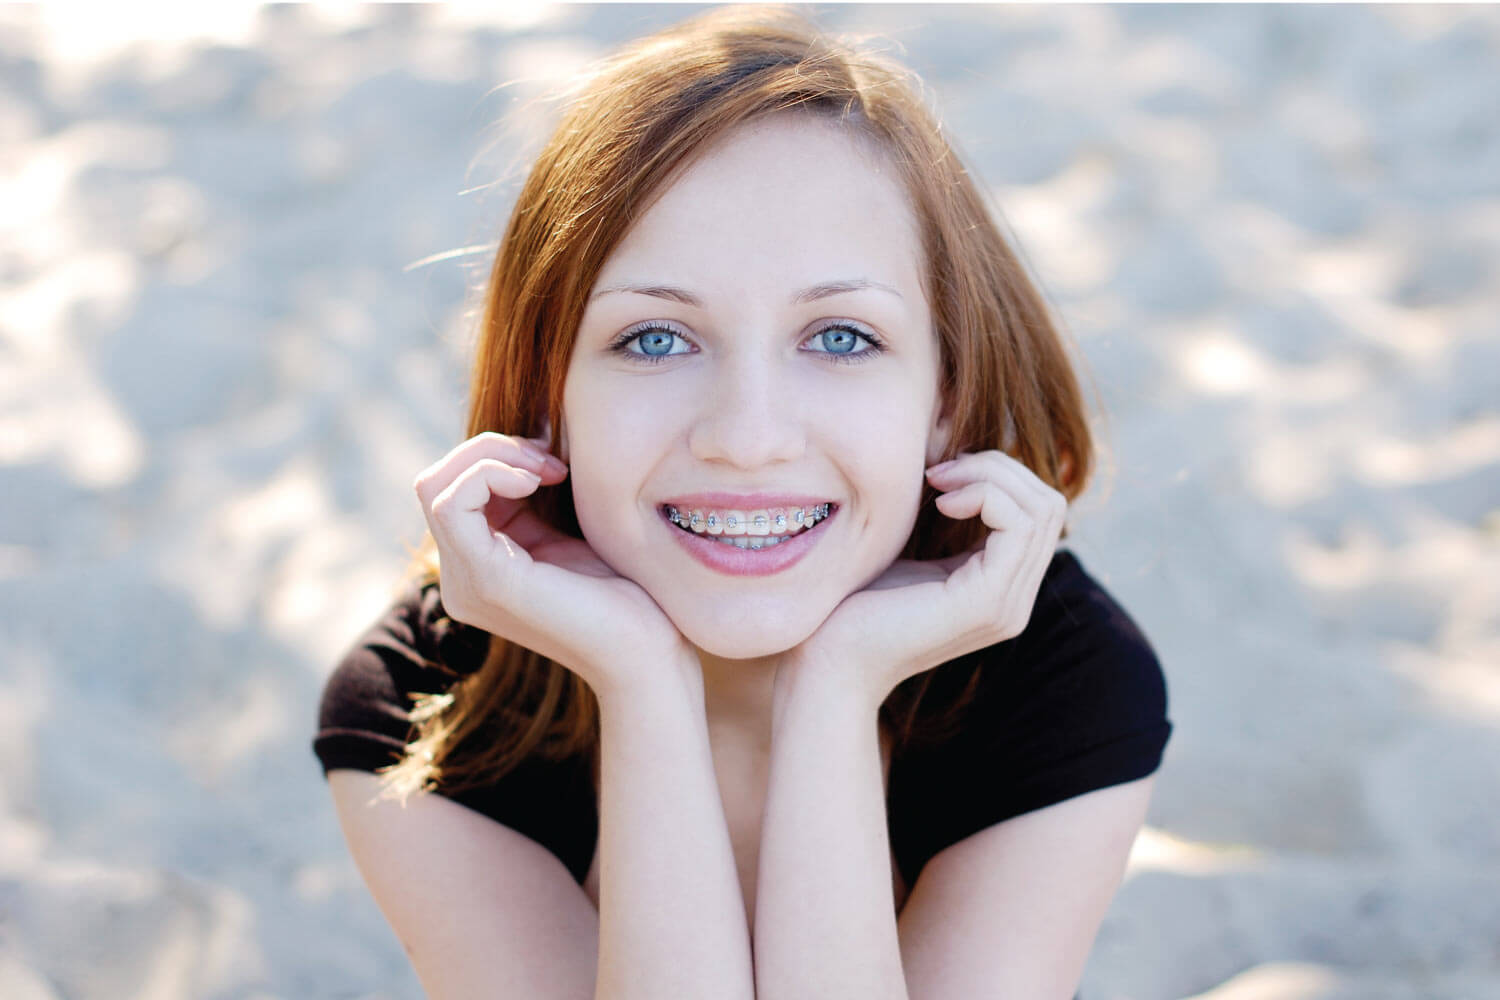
(763, 532)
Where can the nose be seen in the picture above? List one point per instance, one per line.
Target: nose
(748, 418)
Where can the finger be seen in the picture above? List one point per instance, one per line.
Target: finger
(1042, 501)
(543, 443)
(1035, 497)
(983, 499)
(1009, 527)
(502, 507)
(1014, 563)
(458, 513)
(530, 531)
(995, 467)
(488, 445)
(995, 585)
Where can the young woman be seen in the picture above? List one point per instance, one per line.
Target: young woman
(747, 620)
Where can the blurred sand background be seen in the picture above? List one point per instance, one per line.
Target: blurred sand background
(230, 337)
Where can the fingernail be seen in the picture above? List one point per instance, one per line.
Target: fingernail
(545, 458)
(940, 467)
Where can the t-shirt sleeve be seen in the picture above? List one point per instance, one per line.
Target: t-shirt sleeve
(364, 724)
(1077, 702)
(1084, 707)
(363, 713)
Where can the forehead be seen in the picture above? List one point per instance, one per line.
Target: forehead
(775, 200)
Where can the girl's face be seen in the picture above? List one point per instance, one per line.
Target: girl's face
(788, 361)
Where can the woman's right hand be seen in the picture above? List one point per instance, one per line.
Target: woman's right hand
(505, 571)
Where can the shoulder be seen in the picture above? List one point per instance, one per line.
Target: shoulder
(1080, 688)
(1082, 658)
(364, 724)
(1075, 703)
(412, 648)
(1081, 654)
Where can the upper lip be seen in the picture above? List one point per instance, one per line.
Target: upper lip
(744, 501)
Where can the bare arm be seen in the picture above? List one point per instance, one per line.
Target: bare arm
(671, 913)
(482, 911)
(1013, 909)
(825, 911)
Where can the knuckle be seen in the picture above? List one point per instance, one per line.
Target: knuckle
(443, 510)
(488, 469)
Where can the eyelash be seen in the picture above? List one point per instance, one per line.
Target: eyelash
(623, 341)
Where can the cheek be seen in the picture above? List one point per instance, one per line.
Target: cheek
(882, 446)
(612, 443)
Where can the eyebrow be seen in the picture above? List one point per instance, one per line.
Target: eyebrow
(822, 290)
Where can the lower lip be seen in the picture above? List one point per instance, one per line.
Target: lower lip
(735, 561)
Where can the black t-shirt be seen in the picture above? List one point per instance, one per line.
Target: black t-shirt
(1075, 703)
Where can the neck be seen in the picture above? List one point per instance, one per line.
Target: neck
(737, 697)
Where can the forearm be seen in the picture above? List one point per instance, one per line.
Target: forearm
(825, 911)
(671, 913)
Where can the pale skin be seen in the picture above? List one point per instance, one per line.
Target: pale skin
(743, 793)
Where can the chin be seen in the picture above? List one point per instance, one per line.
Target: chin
(749, 636)
(747, 647)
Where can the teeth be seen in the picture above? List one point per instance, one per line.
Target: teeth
(752, 541)
(749, 529)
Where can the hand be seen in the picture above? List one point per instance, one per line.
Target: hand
(917, 615)
(507, 572)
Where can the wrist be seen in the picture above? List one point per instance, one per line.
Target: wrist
(811, 676)
(651, 679)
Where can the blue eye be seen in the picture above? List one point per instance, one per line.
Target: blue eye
(839, 341)
(656, 343)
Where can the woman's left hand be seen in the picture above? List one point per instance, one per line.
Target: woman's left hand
(918, 615)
